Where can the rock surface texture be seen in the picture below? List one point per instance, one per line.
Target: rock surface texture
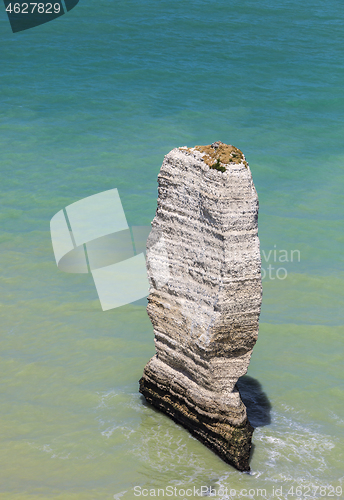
(204, 269)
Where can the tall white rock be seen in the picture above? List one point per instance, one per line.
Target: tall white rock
(204, 269)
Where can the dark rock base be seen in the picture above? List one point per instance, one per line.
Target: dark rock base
(231, 443)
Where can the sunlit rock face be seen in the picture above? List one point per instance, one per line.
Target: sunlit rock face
(204, 269)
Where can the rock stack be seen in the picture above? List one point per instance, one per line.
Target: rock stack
(204, 269)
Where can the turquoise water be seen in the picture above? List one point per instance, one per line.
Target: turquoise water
(93, 101)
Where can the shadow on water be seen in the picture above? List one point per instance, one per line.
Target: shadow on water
(256, 401)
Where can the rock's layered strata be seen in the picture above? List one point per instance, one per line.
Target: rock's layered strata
(204, 268)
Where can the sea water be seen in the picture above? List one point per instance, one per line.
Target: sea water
(93, 101)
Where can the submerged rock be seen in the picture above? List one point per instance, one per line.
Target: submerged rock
(204, 269)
